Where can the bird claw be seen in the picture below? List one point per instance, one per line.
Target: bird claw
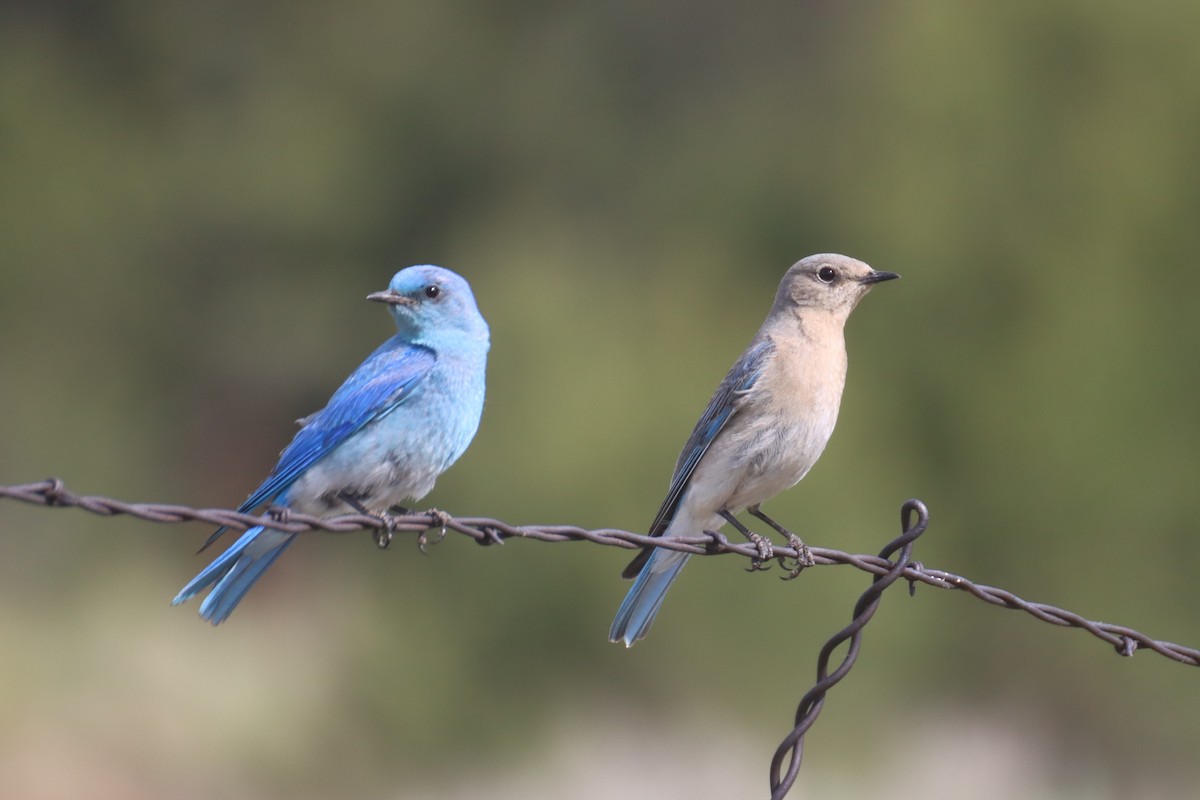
(423, 540)
(803, 557)
(766, 551)
(440, 519)
(386, 531)
(802, 560)
(388, 523)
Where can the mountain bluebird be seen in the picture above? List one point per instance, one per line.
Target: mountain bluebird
(400, 420)
(763, 429)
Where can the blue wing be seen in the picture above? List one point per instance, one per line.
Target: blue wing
(721, 408)
(380, 384)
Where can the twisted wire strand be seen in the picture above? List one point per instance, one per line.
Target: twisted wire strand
(792, 746)
(487, 531)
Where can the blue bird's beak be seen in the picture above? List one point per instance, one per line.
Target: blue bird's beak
(391, 297)
(879, 277)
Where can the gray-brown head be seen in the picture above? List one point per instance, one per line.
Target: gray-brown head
(826, 282)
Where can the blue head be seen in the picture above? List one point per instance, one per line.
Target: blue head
(432, 305)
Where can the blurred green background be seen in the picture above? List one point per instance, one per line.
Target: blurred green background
(195, 199)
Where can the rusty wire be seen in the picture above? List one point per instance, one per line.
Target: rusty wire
(487, 531)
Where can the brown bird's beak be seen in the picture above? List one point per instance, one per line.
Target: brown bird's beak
(879, 277)
(391, 297)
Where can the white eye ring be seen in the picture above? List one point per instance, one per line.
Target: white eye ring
(826, 274)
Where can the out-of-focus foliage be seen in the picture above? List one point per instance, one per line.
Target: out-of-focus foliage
(195, 198)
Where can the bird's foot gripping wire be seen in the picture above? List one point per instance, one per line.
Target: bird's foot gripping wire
(804, 556)
(766, 551)
(797, 565)
(386, 531)
(388, 523)
(438, 519)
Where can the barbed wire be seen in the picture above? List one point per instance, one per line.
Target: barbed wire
(487, 531)
(814, 700)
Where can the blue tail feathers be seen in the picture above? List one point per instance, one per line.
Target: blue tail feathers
(234, 572)
(641, 604)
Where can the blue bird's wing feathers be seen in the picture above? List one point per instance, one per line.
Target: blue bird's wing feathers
(721, 408)
(381, 383)
(384, 381)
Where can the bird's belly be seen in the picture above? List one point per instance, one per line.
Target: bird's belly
(375, 472)
(759, 463)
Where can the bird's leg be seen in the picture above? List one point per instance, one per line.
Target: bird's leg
(804, 557)
(765, 550)
(383, 534)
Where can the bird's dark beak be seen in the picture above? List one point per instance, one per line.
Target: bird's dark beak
(879, 277)
(391, 297)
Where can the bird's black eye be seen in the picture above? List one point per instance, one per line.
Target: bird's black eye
(827, 274)
(433, 291)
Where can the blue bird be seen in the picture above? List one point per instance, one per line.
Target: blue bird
(762, 431)
(397, 423)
